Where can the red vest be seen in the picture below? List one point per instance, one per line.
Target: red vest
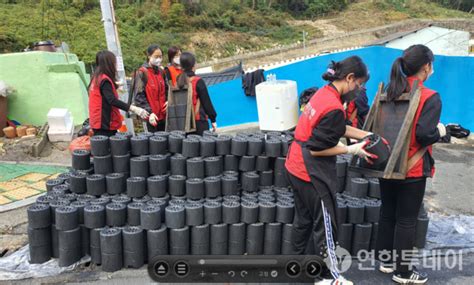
(96, 108)
(200, 114)
(325, 100)
(352, 111)
(155, 91)
(174, 72)
(417, 170)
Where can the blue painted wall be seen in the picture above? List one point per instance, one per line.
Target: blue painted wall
(453, 79)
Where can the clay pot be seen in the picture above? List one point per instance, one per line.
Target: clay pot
(21, 131)
(10, 132)
(31, 131)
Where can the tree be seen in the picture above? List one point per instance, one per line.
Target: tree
(165, 6)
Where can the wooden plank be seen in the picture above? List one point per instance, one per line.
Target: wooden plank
(371, 115)
(366, 171)
(373, 109)
(403, 97)
(403, 133)
(404, 154)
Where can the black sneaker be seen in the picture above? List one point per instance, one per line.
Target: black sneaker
(413, 277)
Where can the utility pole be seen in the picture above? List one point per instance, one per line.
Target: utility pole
(113, 44)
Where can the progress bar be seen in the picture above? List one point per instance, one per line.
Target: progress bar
(238, 261)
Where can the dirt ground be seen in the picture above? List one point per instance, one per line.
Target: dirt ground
(18, 150)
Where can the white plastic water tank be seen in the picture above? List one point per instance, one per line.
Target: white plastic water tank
(277, 105)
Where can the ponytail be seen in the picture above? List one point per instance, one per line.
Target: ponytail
(187, 61)
(182, 80)
(398, 81)
(338, 70)
(409, 64)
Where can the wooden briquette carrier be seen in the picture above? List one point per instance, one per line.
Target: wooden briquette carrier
(180, 114)
(392, 120)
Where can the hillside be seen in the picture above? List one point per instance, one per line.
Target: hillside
(211, 29)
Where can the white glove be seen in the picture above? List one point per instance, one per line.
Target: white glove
(214, 126)
(153, 119)
(441, 129)
(142, 113)
(358, 149)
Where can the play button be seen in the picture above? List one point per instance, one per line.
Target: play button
(313, 269)
(293, 269)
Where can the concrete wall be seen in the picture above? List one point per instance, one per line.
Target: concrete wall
(44, 80)
(440, 40)
(453, 79)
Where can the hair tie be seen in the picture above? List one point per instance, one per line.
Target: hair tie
(331, 71)
(400, 59)
(401, 70)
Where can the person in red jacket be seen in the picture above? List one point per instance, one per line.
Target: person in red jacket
(151, 89)
(402, 199)
(202, 103)
(311, 161)
(173, 70)
(104, 105)
(357, 110)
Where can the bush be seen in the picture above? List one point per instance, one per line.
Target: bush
(175, 20)
(151, 22)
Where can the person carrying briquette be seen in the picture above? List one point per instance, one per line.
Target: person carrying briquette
(402, 199)
(202, 104)
(151, 89)
(311, 161)
(104, 105)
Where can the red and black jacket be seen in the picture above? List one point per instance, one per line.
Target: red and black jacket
(104, 104)
(357, 110)
(425, 133)
(151, 90)
(200, 94)
(319, 127)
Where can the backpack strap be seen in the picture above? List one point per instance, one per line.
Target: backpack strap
(132, 92)
(416, 157)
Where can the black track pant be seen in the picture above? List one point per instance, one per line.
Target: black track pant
(308, 224)
(401, 202)
(201, 126)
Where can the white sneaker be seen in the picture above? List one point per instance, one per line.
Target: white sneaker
(415, 277)
(386, 268)
(339, 281)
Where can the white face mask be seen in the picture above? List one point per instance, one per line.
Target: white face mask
(155, 61)
(432, 70)
(176, 61)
